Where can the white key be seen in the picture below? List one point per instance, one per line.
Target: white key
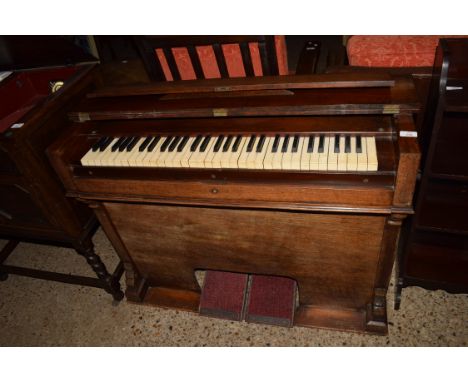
(91, 158)
(250, 162)
(112, 159)
(332, 156)
(220, 155)
(260, 157)
(296, 157)
(244, 155)
(362, 157)
(186, 153)
(208, 161)
(234, 157)
(268, 160)
(161, 160)
(88, 158)
(197, 160)
(103, 158)
(221, 160)
(137, 159)
(278, 156)
(135, 152)
(208, 150)
(151, 158)
(372, 162)
(305, 156)
(173, 157)
(342, 156)
(323, 156)
(352, 156)
(122, 159)
(314, 157)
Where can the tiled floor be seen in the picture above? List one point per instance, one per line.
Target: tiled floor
(35, 312)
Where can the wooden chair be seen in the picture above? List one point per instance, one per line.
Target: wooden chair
(173, 58)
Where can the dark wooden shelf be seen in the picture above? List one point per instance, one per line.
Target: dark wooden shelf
(434, 247)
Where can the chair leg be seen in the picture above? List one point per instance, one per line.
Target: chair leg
(111, 282)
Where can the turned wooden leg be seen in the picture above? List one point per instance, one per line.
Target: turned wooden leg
(111, 284)
(398, 289)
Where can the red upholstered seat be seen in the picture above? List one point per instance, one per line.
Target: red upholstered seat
(233, 57)
(392, 51)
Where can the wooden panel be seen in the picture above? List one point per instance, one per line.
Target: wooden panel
(450, 149)
(333, 257)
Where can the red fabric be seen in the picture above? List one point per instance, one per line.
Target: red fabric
(223, 295)
(392, 51)
(233, 57)
(271, 300)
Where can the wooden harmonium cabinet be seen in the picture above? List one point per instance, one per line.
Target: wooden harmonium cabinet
(303, 177)
(33, 112)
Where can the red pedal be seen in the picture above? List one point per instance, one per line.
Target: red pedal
(272, 301)
(223, 295)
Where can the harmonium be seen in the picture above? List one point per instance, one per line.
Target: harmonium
(40, 78)
(299, 178)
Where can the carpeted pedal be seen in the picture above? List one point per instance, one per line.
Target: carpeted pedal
(271, 301)
(223, 295)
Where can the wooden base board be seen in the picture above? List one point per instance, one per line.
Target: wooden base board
(172, 298)
(307, 316)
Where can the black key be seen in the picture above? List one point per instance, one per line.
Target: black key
(218, 143)
(274, 149)
(337, 144)
(347, 144)
(358, 144)
(145, 143)
(321, 143)
(251, 143)
(174, 144)
(106, 144)
(295, 145)
(236, 144)
(285, 144)
(116, 145)
(204, 145)
(310, 145)
(166, 143)
(182, 144)
(260, 143)
(98, 144)
(196, 142)
(124, 144)
(153, 144)
(227, 143)
(132, 143)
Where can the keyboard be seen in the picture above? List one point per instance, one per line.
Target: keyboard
(300, 152)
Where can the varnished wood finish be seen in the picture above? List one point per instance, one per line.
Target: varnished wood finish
(334, 233)
(330, 95)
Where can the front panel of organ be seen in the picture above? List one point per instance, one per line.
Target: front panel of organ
(301, 177)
